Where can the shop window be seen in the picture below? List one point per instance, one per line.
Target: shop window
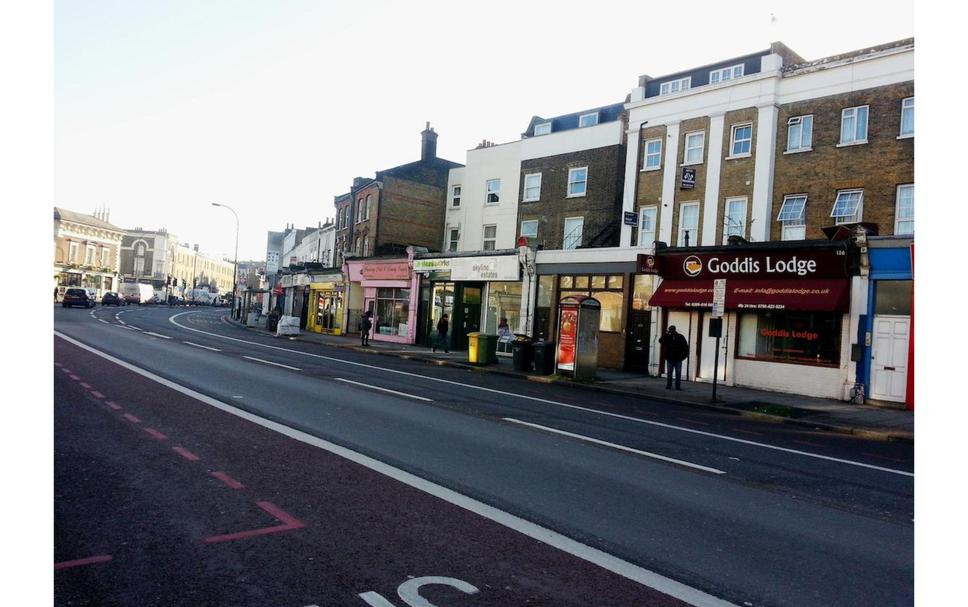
(790, 337)
(392, 311)
(607, 289)
(542, 310)
(503, 301)
(641, 292)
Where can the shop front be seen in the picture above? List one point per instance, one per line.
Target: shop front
(786, 316)
(610, 276)
(888, 370)
(326, 297)
(478, 293)
(388, 289)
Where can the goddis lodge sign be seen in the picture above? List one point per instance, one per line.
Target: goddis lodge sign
(773, 264)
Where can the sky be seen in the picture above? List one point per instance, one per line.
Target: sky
(272, 108)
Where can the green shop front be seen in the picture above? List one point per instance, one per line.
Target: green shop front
(475, 292)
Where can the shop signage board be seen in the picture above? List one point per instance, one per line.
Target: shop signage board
(647, 264)
(498, 268)
(395, 270)
(431, 265)
(688, 180)
(761, 264)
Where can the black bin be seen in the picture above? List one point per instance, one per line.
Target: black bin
(522, 354)
(544, 357)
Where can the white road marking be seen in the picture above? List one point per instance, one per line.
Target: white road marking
(201, 346)
(628, 570)
(269, 362)
(156, 334)
(559, 404)
(104, 321)
(615, 446)
(370, 387)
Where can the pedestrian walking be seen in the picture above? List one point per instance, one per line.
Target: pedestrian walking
(365, 325)
(676, 351)
(443, 325)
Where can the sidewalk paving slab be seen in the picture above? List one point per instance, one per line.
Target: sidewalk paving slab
(868, 421)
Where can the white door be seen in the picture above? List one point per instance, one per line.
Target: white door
(706, 360)
(682, 321)
(889, 358)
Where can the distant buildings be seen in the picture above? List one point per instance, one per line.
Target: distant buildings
(86, 251)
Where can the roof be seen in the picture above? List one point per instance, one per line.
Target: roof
(83, 218)
(904, 43)
(566, 122)
(417, 170)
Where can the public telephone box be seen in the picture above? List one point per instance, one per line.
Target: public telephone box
(578, 336)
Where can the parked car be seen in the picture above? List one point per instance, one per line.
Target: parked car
(112, 299)
(76, 296)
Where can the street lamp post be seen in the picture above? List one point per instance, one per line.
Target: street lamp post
(235, 264)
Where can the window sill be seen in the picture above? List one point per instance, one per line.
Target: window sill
(530, 200)
(847, 145)
(911, 136)
(650, 169)
(575, 196)
(798, 151)
(690, 164)
(738, 157)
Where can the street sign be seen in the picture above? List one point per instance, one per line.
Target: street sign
(719, 297)
(630, 218)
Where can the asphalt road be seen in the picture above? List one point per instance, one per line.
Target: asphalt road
(747, 512)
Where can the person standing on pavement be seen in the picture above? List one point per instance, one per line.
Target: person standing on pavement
(676, 351)
(443, 325)
(365, 325)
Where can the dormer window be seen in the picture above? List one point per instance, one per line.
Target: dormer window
(588, 120)
(675, 86)
(542, 128)
(727, 73)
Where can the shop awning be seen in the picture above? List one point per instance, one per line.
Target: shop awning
(804, 295)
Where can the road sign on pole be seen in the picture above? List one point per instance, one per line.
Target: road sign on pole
(719, 297)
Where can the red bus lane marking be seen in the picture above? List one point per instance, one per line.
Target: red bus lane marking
(91, 560)
(289, 523)
(186, 454)
(113, 405)
(131, 418)
(228, 480)
(97, 394)
(156, 434)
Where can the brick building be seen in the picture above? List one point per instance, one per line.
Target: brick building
(86, 251)
(769, 153)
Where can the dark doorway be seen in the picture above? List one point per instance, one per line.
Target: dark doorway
(637, 355)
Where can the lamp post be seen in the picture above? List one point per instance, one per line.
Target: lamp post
(235, 264)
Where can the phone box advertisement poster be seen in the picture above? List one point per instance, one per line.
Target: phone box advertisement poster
(566, 339)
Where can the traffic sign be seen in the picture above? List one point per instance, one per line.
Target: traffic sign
(719, 297)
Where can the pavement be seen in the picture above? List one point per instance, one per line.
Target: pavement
(869, 421)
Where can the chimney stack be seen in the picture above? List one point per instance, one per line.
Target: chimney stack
(428, 145)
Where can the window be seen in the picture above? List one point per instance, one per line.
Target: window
(904, 215)
(848, 206)
(72, 255)
(453, 239)
(529, 228)
(688, 224)
(741, 140)
(588, 120)
(490, 238)
(105, 255)
(653, 155)
(694, 147)
(542, 128)
(792, 337)
(907, 117)
(607, 289)
(359, 210)
(532, 187)
(573, 229)
(577, 181)
(735, 218)
(647, 225)
(800, 133)
(366, 207)
(366, 246)
(853, 125)
(392, 311)
(727, 73)
(792, 217)
(675, 86)
(89, 255)
(493, 190)
(455, 197)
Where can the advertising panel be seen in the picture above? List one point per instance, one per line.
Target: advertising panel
(567, 337)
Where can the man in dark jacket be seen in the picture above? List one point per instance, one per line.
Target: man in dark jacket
(443, 325)
(676, 351)
(365, 325)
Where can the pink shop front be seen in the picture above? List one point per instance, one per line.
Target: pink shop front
(388, 288)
